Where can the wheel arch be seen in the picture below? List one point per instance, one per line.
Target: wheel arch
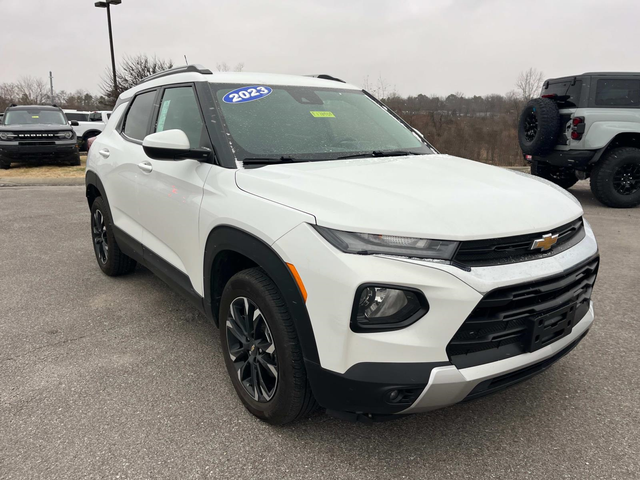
(94, 188)
(91, 133)
(229, 250)
(624, 139)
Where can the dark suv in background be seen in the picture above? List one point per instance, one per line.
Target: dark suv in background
(37, 133)
(587, 126)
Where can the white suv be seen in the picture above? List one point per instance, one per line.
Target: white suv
(347, 263)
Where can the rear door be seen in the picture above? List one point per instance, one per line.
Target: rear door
(170, 193)
(121, 149)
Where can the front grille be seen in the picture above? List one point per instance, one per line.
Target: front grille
(36, 144)
(36, 135)
(523, 318)
(498, 251)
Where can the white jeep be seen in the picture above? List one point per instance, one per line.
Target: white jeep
(587, 126)
(347, 263)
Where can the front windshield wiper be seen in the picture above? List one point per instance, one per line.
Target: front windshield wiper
(270, 160)
(380, 153)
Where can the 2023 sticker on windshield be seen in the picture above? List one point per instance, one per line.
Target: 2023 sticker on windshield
(246, 94)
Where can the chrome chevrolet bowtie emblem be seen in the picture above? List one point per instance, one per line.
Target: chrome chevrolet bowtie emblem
(546, 242)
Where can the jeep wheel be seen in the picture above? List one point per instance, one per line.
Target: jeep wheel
(539, 126)
(561, 176)
(615, 180)
(110, 258)
(261, 349)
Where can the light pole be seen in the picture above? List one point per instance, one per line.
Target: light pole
(107, 4)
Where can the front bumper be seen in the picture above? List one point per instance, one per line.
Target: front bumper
(357, 371)
(35, 151)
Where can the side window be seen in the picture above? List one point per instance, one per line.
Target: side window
(95, 117)
(618, 92)
(137, 120)
(179, 110)
(80, 117)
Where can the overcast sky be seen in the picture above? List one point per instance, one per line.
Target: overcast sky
(418, 46)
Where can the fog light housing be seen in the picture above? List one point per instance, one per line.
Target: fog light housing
(380, 308)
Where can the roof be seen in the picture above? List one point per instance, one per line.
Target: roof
(594, 74)
(240, 78)
(30, 107)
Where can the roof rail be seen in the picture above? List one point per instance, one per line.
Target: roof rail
(324, 76)
(174, 71)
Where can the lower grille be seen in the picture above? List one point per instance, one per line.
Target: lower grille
(523, 318)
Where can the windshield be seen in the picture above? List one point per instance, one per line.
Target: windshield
(34, 117)
(308, 123)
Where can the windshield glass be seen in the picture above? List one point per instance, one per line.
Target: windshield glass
(309, 123)
(34, 117)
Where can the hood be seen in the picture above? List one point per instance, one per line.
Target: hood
(35, 128)
(431, 196)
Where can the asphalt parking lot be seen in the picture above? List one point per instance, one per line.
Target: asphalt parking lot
(121, 378)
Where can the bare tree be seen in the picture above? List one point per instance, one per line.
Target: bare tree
(224, 67)
(529, 83)
(31, 90)
(130, 72)
(380, 89)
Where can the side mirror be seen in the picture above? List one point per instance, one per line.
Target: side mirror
(73, 123)
(172, 145)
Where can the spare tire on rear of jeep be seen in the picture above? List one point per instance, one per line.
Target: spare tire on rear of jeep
(539, 126)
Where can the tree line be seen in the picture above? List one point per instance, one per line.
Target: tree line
(480, 127)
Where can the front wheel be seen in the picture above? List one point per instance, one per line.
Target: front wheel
(562, 176)
(615, 180)
(261, 349)
(5, 164)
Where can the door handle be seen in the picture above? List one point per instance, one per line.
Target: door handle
(146, 167)
(105, 152)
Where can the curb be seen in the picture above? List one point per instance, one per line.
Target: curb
(39, 182)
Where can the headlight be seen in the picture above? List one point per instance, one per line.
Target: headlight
(379, 308)
(371, 244)
(66, 135)
(7, 136)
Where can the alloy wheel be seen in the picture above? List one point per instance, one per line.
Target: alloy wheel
(626, 179)
(252, 349)
(531, 126)
(100, 242)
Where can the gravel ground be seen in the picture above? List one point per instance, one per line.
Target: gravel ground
(121, 378)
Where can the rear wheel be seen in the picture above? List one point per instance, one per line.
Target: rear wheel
(108, 254)
(261, 349)
(561, 176)
(615, 180)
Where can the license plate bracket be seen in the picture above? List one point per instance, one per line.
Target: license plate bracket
(552, 326)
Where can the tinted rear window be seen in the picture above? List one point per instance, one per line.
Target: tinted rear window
(618, 92)
(567, 95)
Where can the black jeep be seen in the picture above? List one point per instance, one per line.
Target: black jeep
(37, 133)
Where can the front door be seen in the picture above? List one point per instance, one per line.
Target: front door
(170, 191)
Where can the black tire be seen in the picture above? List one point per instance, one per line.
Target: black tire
(286, 395)
(539, 126)
(5, 164)
(615, 180)
(562, 176)
(111, 260)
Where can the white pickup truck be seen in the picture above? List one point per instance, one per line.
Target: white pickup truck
(90, 124)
